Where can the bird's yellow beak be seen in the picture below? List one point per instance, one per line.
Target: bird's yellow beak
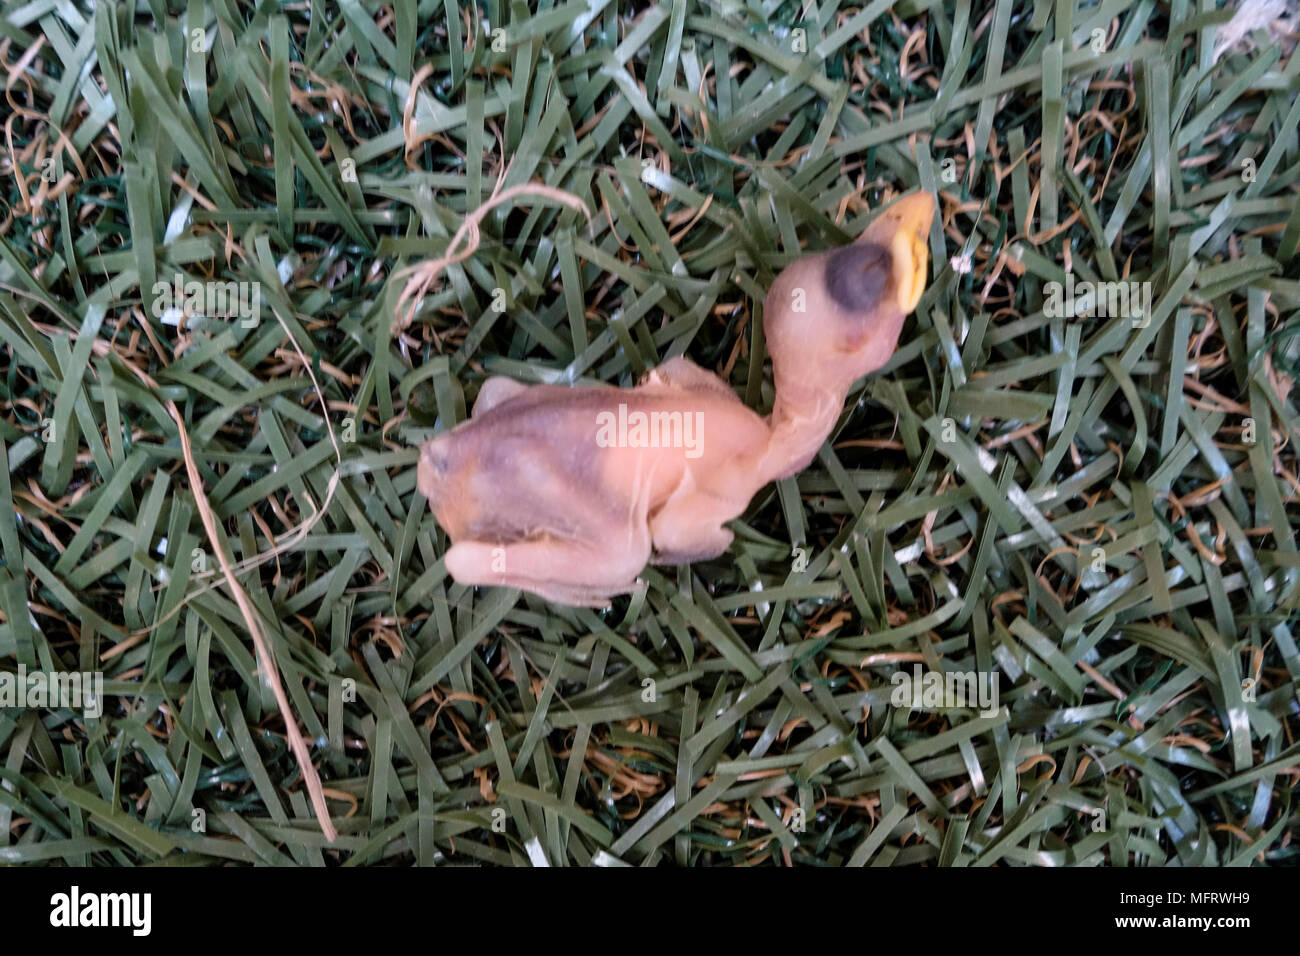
(903, 228)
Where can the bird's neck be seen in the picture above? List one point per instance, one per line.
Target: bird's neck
(803, 416)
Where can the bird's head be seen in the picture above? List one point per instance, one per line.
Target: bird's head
(835, 316)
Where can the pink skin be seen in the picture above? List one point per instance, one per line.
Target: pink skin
(534, 495)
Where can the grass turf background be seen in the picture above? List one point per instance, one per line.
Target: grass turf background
(951, 522)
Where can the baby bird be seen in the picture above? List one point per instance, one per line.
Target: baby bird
(569, 492)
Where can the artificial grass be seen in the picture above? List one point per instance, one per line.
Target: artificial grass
(738, 711)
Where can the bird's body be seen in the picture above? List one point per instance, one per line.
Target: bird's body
(568, 492)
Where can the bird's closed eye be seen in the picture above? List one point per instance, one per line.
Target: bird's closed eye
(858, 275)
